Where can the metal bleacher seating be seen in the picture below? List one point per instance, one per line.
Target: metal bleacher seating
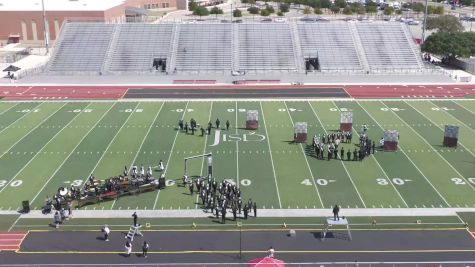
(137, 44)
(331, 42)
(266, 46)
(204, 47)
(220, 47)
(82, 47)
(386, 46)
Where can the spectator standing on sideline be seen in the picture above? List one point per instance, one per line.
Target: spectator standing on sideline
(270, 252)
(128, 248)
(135, 218)
(57, 219)
(336, 211)
(106, 232)
(145, 247)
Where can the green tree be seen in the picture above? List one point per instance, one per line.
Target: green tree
(201, 11)
(340, 3)
(388, 11)
(467, 2)
(284, 7)
(264, 12)
(253, 10)
(371, 9)
(347, 10)
(216, 11)
(450, 44)
(317, 11)
(280, 14)
(237, 13)
(307, 10)
(270, 9)
(335, 9)
(398, 12)
(445, 23)
(417, 7)
(192, 5)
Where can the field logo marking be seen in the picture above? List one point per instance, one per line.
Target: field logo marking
(250, 137)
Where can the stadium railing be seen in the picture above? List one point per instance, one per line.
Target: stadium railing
(304, 264)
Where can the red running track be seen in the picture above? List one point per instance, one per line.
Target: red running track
(69, 92)
(11, 240)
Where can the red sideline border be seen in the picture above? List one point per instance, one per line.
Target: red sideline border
(98, 92)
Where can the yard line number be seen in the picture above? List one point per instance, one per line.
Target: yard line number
(396, 181)
(320, 181)
(15, 183)
(460, 181)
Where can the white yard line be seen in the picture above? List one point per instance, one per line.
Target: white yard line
(32, 129)
(204, 151)
(43, 147)
(448, 113)
(237, 145)
(6, 110)
(141, 144)
(407, 156)
(437, 152)
(70, 153)
(271, 158)
(342, 163)
(19, 118)
(170, 155)
(14, 223)
(380, 167)
(306, 160)
(463, 107)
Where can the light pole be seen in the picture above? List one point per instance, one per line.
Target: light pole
(44, 26)
(424, 24)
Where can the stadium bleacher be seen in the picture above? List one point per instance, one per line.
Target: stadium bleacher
(332, 43)
(386, 46)
(204, 47)
(82, 47)
(137, 45)
(218, 47)
(266, 46)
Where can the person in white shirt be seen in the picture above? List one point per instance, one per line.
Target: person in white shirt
(270, 252)
(106, 232)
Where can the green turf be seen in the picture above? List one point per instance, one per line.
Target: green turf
(280, 223)
(48, 145)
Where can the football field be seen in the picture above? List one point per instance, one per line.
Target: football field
(47, 145)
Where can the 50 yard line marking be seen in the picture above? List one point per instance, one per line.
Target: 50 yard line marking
(380, 167)
(44, 146)
(112, 140)
(270, 153)
(435, 150)
(342, 163)
(204, 151)
(306, 160)
(70, 153)
(169, 156)
(32, 129)
(402, 150)
(141, 144)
